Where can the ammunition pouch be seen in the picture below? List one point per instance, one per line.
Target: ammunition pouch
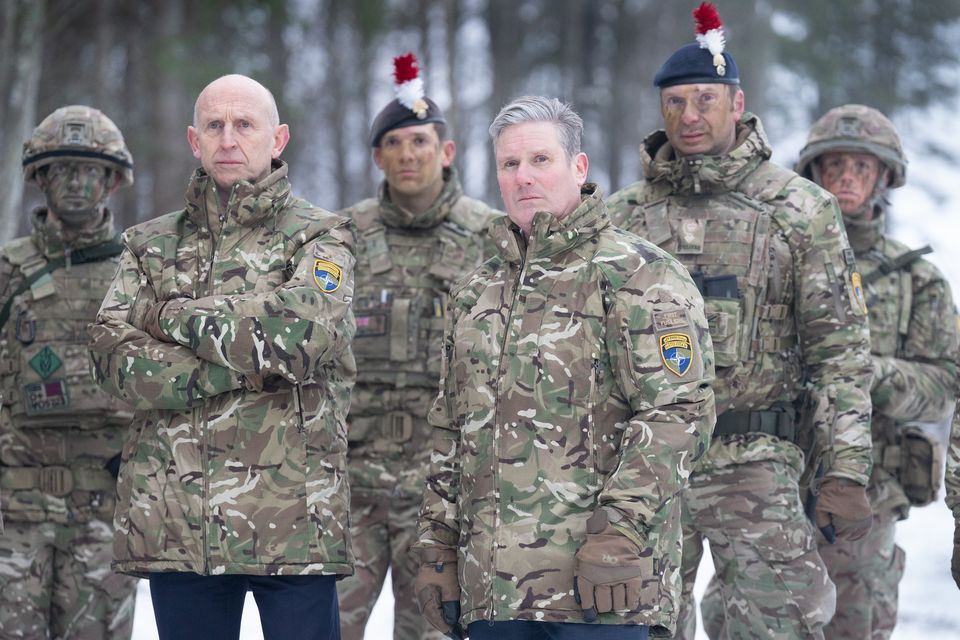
(777, 421)
(56, 480)
(916, 461)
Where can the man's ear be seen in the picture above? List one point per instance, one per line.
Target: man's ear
(193, 139)
(448, 149)
(281, 136)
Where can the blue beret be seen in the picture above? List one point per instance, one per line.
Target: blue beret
(397, 116)
(691, 64)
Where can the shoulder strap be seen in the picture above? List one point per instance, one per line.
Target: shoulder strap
(900, 262)
(109, 249)
(766, 182)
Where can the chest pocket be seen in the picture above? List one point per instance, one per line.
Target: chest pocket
(724, 241)
(400, 301)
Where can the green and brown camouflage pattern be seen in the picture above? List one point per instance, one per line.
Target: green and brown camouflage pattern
(914, 347)
(952, 480)
(798, 329)
(57, 583)
(58, 430)
(768, 571)
(236, 458)
(406, 266)
(799, 322)
(556, 400)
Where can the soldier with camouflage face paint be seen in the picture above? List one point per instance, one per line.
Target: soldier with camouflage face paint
(60, 435)
(415, 240)
(767, 250)
(575, 399)
(854, 152)
(228, 328)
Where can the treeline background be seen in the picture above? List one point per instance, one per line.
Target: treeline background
(329, 63)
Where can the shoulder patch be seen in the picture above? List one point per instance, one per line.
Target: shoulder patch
(664, 320)
(676, 351)
(327, 275)
(856, 288)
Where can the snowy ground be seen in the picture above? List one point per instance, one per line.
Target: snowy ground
(929, 600)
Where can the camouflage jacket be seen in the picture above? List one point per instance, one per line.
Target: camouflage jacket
(58, 429)
(952, 480)
(577, 370)
(781, 291)
(406, 266)
(236, 458)
(914, 342)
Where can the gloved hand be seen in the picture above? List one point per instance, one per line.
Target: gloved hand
(843, 509)
(151, 321)
(955, 562)
(438, 591)
(607, 573)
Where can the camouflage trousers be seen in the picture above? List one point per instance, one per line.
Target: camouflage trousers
(383, 528)
(770, 581)
(56, 583)
(867, 573)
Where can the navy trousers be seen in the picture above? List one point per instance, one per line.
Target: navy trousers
(189, 606)
(533, 630)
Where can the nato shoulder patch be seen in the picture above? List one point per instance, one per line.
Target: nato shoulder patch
(676, 351)
(327, 275)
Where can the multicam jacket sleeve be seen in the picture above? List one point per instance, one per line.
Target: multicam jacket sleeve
(139, 369)
(952, 480)
(832, 324)
(918, 383)
(287, 332)
(673, 415)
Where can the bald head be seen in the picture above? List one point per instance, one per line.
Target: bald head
(239, 86)
(236, 132)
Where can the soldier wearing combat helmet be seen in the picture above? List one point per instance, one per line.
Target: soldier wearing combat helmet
(415, 240)
(854, 152)
(789, 330)
(60, 436)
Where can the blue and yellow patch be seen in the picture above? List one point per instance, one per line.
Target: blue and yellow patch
(857, 285)
(327, 275)
(676, 350)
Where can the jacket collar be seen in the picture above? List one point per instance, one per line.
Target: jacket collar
(700, 174)
(249, 203)
(549, 235)
(51, 240)
(396, 216)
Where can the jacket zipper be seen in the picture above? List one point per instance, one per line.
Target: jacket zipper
(205, 409)
(496, 431)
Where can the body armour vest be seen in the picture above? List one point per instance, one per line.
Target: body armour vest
(60, 428)
(403, 279)
(741, 260)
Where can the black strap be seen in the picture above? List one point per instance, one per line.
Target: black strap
(901, 261)
(102, 251)
(779, 422)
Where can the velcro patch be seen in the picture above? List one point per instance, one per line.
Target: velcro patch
(327, 275)
(371, 325)
(45, 362)
(42, 397)
(665, 320)
(676, 351)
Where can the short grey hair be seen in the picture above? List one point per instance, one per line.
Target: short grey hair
(542, 109)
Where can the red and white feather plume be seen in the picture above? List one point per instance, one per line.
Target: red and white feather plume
(710, 34)
(409, 84)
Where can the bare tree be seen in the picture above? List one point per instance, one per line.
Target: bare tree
(20, 59)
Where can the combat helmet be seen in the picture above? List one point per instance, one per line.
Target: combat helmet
(77, 132)
(857, 128)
